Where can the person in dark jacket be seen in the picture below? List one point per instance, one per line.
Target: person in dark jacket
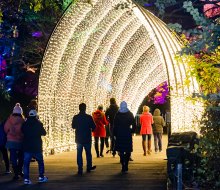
(110, 115)
(83, 125)
(32, 145)
(4, 151)
(124, 126)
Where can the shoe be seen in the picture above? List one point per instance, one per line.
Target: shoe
(90, 169)
(107, 151)
(42, 179)
(130, 159)
(101, 155)
(8, 172)
(21, 174)
(15, 177)
(113, 154)
(27, 182)
(80, 173)
(160, 151)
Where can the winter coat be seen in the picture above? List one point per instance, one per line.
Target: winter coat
(83, 125)
(13, 128)
(33, 130)
(159, 122)
(123, 127)
(100, 122)
(110, 113)
(146, 121)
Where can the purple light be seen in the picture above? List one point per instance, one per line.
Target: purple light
(161, 93)
(37, 34)
(148, 4)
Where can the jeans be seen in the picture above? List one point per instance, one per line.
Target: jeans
(87, 148)
(17, 160)
(158, 141)
(27, 160)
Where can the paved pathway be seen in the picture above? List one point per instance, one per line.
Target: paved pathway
(145, 172)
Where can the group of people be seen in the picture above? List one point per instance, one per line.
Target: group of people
(22, 137)
(120, 123)
(151, 125)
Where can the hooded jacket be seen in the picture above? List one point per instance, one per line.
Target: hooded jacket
(124, 126)
(100, 122)
(158, 122)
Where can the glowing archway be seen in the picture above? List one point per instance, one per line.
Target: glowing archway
(104, 50)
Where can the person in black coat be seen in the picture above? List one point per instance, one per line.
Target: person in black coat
(110, 115)
(32, 145)
(83, 125)
(123, 127)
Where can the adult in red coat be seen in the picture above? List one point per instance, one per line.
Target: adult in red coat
(99, 132)
(146, 121)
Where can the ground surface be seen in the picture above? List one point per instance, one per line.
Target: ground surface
(145, 172)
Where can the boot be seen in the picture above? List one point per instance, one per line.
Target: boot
(149, 147)
(101, 149)
(144, 147)
(97, 150)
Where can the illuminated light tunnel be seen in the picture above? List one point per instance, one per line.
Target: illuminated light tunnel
(100, 50)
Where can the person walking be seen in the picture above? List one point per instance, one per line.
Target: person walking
(99, 132)
(107, 130)
(32, 145)
(158, 125)
(12, 128)
(123, 126)
(146, 121)
(83, 125)
(110, 115)
(4, 151)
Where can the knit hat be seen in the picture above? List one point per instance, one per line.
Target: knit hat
(17, 109)
(123, 107)
(33, 113)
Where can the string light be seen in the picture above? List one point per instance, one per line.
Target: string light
(107, 52)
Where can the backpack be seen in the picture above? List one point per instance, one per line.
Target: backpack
(3, 136)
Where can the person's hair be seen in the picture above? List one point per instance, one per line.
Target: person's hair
(82, 107)
(100, 107)
(146, 109)
(112, 101)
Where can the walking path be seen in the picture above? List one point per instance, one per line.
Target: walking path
(145, 172)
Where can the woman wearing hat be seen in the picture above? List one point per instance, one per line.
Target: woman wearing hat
(14, 139)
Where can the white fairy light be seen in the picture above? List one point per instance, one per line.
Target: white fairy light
(107, 52)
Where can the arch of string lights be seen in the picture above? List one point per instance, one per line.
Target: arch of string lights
(104, 49)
